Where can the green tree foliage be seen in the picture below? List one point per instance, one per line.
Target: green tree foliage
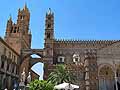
(40, 85)
(60, 75)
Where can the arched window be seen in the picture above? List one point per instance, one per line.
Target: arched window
(49, 18)
(49, 26)
(8, 67)
(15, 30)
(106, 78)
(18, 29)
(13, 68)
(61, 59)
(48, 35)
(2, 64)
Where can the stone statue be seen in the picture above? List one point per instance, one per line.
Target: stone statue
(29, 78)
(23, 76)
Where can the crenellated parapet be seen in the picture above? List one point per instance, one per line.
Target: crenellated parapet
(86, 41)
(61, 43)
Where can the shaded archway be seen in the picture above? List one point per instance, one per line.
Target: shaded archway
(106, 78)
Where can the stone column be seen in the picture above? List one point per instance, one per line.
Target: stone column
(0, 80)
(4, 81)
(9, 82)
(86, 65)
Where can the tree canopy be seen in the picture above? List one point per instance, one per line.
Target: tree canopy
(60, 75)
(41, 85)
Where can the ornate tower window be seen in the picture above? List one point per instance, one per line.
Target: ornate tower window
(48, 35)
(61, 59)
(49, 25)
(15, 30)
(18, 29)
(21, 17)
(49, 18)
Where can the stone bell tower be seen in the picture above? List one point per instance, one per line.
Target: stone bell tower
(48, 42)
(18, 35)
(49, 35)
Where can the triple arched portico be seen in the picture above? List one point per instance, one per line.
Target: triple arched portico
(106, 75)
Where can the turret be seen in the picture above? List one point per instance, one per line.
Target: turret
(49, 28)
(49, 36)
(9, 26)
(23, 20)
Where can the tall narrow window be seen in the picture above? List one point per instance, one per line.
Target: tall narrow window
(13, 69)
(49, 18)
(4, 51)
(8, 67)
(49, 26)
(9, 56)
(2, 65)
(61, 59)
(14, 58)
(48, 35)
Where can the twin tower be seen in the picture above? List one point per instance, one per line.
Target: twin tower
(18, 35)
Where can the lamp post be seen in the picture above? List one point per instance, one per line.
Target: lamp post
(115, 71)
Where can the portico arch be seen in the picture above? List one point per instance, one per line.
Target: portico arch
(29, 56)
(106, 77)
(26, 53)
(26, 58)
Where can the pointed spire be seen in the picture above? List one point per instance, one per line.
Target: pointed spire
(19, 10)
(9, 24)
(25, 6)
(10, 17)
(49, 12)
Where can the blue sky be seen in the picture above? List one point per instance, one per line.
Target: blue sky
(74, 19)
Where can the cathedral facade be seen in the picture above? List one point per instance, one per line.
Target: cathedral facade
(94, 63)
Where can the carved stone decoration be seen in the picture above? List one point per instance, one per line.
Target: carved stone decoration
(23, 76)
(76, 58)
(29, 78)
(86, 76)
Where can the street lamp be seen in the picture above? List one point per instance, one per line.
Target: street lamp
(115, 72)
